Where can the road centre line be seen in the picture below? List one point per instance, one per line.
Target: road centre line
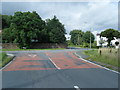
(95, 64)
(54, 63)
(76, 87)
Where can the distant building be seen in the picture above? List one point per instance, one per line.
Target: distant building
(114, 41)
(102, 41)
(68, 37)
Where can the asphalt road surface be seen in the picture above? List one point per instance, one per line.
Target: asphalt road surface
(55, 69)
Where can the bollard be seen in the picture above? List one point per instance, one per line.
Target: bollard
(100, 52)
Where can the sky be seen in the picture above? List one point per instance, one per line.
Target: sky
(91, 15)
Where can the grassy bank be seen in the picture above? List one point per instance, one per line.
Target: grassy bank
(32, 49)
(104, 57)
(4, 59)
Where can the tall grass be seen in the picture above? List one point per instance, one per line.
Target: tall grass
(108, 56)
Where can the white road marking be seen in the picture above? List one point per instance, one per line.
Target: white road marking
(29, 55)
(34, 55)
(54, 64)
(76, 87)
(10, 54)
(7, 64)
(95, 64)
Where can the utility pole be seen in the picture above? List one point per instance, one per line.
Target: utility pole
(78, 40)
(90, 37)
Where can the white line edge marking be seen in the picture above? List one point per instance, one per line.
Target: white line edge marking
(7, 64)
(95, 64)
(76, 87)
(54, 64)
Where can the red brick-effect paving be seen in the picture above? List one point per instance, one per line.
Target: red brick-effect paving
(21, 63)
(64, 62)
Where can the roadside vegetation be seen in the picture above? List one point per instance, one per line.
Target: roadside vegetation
(84, 45)
(4, 59)
(26, 28)
(108, 57)
(83, 39)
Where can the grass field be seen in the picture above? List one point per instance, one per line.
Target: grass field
(4, 59)
(107, 57)
(32, 49)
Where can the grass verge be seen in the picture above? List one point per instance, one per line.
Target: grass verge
(32, 49)
(106, 59)
(4, 59)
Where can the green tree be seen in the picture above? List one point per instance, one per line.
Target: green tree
(24, 27)
(110, 34)
(76, 37)
(6, 20)
(86, 37)
(55, 30)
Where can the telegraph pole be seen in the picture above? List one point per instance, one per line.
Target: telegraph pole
(90, 37)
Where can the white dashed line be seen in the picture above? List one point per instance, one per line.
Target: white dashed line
(76, 87)
(54, 64)
(95, 64)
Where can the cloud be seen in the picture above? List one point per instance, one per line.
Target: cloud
(74, 15)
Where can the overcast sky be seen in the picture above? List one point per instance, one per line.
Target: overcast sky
(74, 15)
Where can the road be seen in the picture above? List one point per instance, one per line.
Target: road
(56, 69)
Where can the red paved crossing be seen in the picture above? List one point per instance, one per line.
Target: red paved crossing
(34, 62)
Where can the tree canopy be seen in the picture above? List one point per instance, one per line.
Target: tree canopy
(76, 37)
(27, 27)
(6, 20)
(110, 34)
(55, 30)
(87, 35)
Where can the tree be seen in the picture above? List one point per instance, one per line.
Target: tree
(86, 37)
(76, 37)
(6, 20)
(110, 34)
(55, 30)
(24, 27)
